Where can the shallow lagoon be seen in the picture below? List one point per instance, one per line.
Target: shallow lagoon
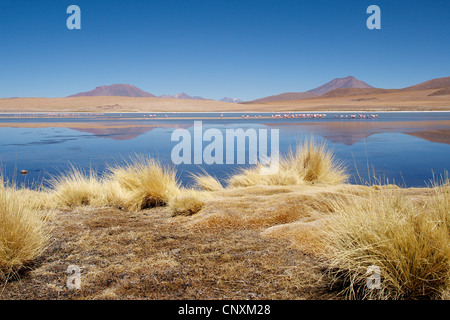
(404, 147)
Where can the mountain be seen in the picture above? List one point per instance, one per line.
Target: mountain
(181, 95)
(347, 82)
(123, 90)
(231, 100)
(286, 96)
(440, 83)
(441, 92)
(437, 83)
(338, 83)
(345, 92)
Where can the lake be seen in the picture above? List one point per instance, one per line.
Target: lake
(403, 147)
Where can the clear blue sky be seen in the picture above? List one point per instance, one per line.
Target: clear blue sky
(215, 48)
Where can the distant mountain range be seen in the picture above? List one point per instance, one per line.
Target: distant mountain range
(338, 83)
(128, 90)
(350, 86)
(123, 90)
(339, 87)
(232, 100)
(181, 95)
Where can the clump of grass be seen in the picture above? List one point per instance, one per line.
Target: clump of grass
(253, 176)
(310, 163)
(117, 197)
(188, 202)
(145, 183)
(313, 162)
(24, 233)
(207, 182)
(408, 241)
(136, 185)
(39, 199)
(78, 188)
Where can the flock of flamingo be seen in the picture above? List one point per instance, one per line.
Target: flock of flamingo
(244, 116)
(312, 116)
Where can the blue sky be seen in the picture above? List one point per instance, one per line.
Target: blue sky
(214, 48)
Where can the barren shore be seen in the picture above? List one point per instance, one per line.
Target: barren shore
(247, 243)
(419, 100)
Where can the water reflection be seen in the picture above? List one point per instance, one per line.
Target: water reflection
(405, 147)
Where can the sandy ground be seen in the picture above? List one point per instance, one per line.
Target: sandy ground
(257, 243)
(409, 100)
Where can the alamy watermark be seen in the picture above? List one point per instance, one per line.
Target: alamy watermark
(227, 148)
(374, 277)
(374, 21)
(74, 280)
(74, 20)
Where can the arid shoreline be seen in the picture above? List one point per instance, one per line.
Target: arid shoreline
(418, 100)
(235, 248)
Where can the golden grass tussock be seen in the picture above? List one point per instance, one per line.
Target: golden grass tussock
(24, 233)
(117, 197)
(188, 202)
(409, 241)
(253, 177)
(77, 188)
(37, 200)
(139, 184)
(147, 183)
(311, 163)
(315, 163)
(207, 182)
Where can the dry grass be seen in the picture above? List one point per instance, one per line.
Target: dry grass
(188, 202)
(207, 182)
(253, 177)
(311, 163)
(258, 242)
(147, 183)
(139, 184)
(77, 188)
(264, 206)
(314, 163)
(408, 240)
(150, 254)
(40, 199)
(24, 233)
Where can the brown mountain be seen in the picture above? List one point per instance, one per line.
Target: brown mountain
(347, 82)
(338, 83)
(441, 92)
(440, 83)
(344, 92)
(286, 96)
(437, 83)
(123, 90)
